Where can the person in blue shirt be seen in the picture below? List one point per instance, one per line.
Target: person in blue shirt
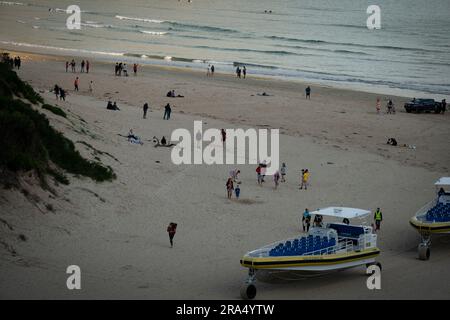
(237, 190)
(306, 220)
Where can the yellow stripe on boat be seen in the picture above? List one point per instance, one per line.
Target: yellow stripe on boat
(431, 227)
(310, 260)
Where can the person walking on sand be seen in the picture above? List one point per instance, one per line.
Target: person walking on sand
(145, 108)
(230, 188)
(390, 107)
(244, 71)
(91, 86)
(378, 217)
(87, 66)
(167, 111)
(276, 178)
(56, 91)
(258, 174)
(305, 178)
(283, 170)
(76, 83)
(208, 71)
(73, 64)
(238, 72)
(82, 66)
(171, 229)
(224, 135)
(67, 66)
(212, 70)
(306, 220)
(135, 69)
(308, 92)
(378, 106)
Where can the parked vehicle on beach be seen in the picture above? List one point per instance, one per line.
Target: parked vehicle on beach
(423, 105)
(433, 218)
(325, 248)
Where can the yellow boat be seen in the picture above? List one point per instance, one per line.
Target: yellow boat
(334, 246)
(433, 218)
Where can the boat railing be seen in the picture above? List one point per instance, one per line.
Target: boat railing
(345, 244)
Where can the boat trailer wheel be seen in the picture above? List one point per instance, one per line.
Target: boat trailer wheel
(424, 251)
(248, 289)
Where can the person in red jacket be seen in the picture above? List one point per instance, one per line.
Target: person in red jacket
(172, 229)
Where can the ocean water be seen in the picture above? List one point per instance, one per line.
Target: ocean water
(317, 41)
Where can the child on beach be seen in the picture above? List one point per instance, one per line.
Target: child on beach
(308, 93)
(76, 83)
(56, 91)
(172, 229)
(237, 191)
(283, 170)
(91, 86)
(378, 105)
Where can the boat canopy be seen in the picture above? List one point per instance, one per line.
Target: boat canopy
(342, 212)
(442, 182)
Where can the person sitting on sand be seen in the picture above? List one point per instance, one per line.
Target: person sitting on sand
(134, 138)
(158, 143)
(392, 142)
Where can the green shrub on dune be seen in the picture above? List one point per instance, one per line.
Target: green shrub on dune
(55, 110)
(28, 142)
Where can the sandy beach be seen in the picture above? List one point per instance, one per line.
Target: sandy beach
(116, 231)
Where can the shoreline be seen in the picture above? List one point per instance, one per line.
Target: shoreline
(159, 63)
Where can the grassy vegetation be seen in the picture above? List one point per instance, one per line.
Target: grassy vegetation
(10, 84)
(28, 142)
(55, 110)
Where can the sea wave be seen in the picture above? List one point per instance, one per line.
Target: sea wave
(139, 19)
(10, 3)
(40, 46)
(153, 33)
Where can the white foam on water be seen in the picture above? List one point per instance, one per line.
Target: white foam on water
(139, 19)
(154, 33)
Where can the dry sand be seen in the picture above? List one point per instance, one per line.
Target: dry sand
(116, 232)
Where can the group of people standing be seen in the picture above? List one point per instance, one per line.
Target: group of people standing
(13, 62)
(84, 66)
(59, 92)
(242, 72)
(210, 71)
(390, 106)
(122, 68)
